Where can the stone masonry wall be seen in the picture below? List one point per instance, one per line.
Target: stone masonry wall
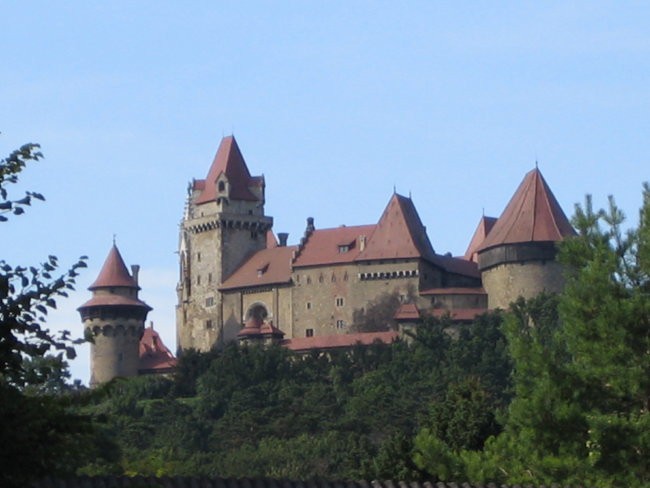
(506, 282)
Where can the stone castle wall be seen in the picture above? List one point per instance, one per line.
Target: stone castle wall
(115, 350)
(505, 282)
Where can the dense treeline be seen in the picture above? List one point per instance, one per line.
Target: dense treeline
(250, 411)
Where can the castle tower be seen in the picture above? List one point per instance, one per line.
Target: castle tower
(114, 318)
(224, 223)
(517, 258)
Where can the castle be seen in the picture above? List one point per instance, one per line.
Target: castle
(239, 282)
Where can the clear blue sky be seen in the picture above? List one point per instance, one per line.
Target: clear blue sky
(335, 103)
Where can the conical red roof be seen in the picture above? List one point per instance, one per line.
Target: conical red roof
(228, 160)
(399, 233)
(532, 215)
(114, 272)
(482, 230)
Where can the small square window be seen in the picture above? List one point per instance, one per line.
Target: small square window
(208, 324)
(309, 333)
(209, 302)
(340, 324)
(308, 305)
(340, 301)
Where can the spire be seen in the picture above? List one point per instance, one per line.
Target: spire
(399, 233)
(532, 215)
(229, 162)
(114, 272)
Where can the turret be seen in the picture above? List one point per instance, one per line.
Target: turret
(517, 258)
(114, 320)
(223, 225)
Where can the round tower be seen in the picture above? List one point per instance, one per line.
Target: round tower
(114, 320)
(517, 257)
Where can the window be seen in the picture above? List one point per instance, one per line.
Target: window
(209, 277)
(340, 324)
(333, 278)
(222, 186)
(340, 301)
(309, 333)
(198, 257)
(208, 324)
(345, 276)
(308, 305)
(209, 302)
(320, 279)
(343, 248)
(309, 280)
(198, 279)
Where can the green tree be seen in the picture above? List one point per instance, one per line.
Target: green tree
(582, 368)
(38, 435)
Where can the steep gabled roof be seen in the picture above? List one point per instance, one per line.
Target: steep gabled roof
(324, 246)
(114, 272)
(154, 355)
(228, 160)
(271, 266)
(532, 215)
(398, 234)
(482, 230)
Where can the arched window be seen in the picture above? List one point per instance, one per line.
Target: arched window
(257, 311)
(221, 186)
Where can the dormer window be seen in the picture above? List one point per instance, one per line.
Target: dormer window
(262, 269)
(221, 186)
(345, 246)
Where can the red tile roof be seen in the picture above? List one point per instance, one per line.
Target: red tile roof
(532, 215)
(113, 300)
(399, 234)
(271, 241)
(322, 245)
(482, 230)
(154, 355)
(407, 311)
(230, 161)
(459, 314)
(113, 272)
(256, 327)
(265, 267)
(339, 341)
(453, 291)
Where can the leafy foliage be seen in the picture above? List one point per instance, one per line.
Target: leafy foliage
(39, 434)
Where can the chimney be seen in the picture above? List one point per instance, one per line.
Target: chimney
(135, 271)
(310, 225)
(362, 243)
(282, 237)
